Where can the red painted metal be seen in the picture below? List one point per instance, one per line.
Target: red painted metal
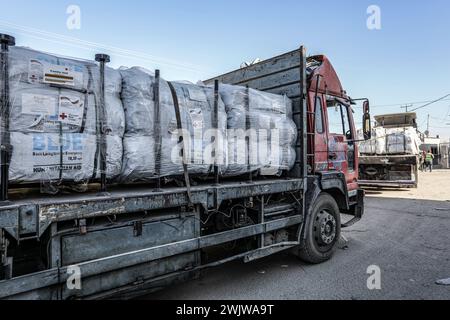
(331, 84)
(331, 150)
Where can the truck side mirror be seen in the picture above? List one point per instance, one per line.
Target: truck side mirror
(367, 124)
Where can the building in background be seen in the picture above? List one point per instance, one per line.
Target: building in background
(445, 155)
(433, 144)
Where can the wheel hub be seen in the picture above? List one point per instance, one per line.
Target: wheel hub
(325, 228)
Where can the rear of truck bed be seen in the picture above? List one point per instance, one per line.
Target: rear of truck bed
(389, 171)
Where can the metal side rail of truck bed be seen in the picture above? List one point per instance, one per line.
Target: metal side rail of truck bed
(31, 217)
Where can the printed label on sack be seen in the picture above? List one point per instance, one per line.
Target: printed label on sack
(35, 71)
(197, 95)
(197, 135)
(196, 118)
(44, 72)
(47, 151)
(71, 110)
(38, 104)
(59, 75)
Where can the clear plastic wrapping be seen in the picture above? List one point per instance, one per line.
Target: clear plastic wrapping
(391, 141)
(196, 104)
(261, 133)
(54, 119)
(57, 125)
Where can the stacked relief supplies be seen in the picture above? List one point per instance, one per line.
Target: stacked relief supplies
(55, 125)
(402, 141)
(391, 141)
(261, 134)
(196, 111)
(54, 118)
(263, 142)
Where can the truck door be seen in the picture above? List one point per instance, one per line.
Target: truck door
(341, 141)
(321, 141)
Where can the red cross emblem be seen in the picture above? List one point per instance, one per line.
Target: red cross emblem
(63, 116)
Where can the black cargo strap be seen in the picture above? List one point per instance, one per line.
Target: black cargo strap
(180, 128)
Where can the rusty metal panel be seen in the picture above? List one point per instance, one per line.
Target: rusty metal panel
(114, 281)
(28, 221)
(50, 278)
(114, 241)
(9, 221)
(283, 63)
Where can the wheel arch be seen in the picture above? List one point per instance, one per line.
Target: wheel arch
(334, 183)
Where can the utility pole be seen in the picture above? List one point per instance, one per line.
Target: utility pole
(406, 107)
(428, 126)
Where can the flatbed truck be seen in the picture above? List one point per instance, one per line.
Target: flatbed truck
(126, 241)
(391, 170)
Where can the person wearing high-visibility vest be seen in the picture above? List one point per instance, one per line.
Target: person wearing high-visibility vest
(429, 161)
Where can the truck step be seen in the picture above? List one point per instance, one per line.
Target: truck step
(351, 222)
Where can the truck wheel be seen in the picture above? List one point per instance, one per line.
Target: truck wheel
(322, 232)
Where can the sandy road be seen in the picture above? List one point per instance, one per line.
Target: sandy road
(432, 186)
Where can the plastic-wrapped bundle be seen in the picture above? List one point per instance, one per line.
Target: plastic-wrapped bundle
(47, 91)
(46, 157)
(272, 132)
(390, 141)
(365, 147)
(376, 145)
(54, 106)
(36, 109)
(196, 111)
(402, 141)
(35, 67)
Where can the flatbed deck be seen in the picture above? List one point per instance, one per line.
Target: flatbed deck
(34, 214)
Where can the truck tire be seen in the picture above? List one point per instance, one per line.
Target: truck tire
(322, 232)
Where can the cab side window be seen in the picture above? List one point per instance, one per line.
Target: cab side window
(335, 118)
(339, 119)
(319, 116)
(346, 119)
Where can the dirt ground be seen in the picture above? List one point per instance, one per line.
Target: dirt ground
(432, 186)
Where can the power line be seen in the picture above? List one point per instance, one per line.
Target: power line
(407, 107)
(83, 44)
(431, 102)
(405, 103)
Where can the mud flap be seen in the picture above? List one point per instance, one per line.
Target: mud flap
(357, 210)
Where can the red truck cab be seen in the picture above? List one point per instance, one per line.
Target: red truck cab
(331, 124)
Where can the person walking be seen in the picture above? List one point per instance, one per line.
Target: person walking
(429, 161)
(423, 156)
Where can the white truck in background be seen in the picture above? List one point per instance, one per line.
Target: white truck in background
(392, 157)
